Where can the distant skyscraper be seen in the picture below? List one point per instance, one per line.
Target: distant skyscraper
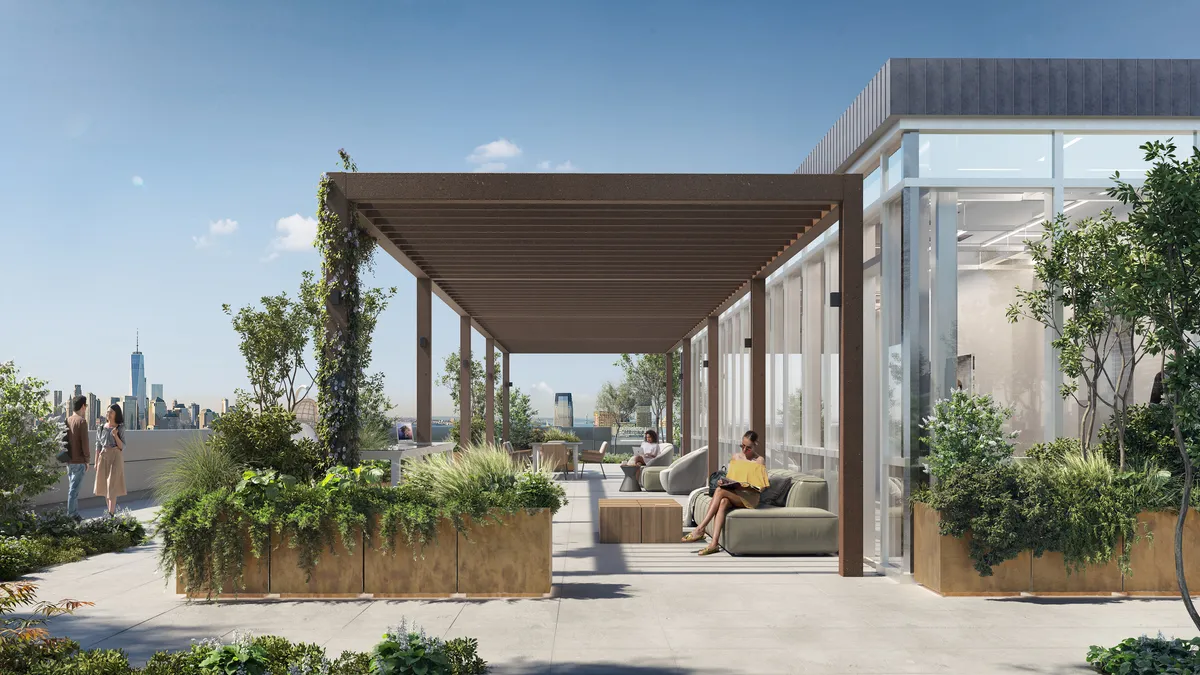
(57, 400)
(224, 406)
(114, 400)
(195, 408)
(130, 413)
(78, 390)
(156, 391)
(206, 419)
(157, 409)
(94, 410)
(564, 411)
(137, 384)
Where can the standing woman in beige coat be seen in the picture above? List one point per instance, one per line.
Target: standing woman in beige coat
(110, 459)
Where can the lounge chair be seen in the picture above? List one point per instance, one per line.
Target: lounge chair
(519, 456)
(593, 457)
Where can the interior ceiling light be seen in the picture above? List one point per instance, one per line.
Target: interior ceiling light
(1038, 219)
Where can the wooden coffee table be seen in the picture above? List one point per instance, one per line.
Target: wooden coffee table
(640, 521)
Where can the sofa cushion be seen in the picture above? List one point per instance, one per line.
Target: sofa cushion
(776, 493)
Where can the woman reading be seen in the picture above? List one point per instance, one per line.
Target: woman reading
(739, 489)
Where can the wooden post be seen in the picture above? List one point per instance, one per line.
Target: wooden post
(464, 382)
(506, 393)
(714, 393)
(423, 433)
(489, 399)
(669, 371)
(850, 363)
(685, 409)
(758, 361)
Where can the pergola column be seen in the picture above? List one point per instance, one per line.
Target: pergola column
(685, 409)
(423, 431)
(506, 394)
(758, 360)
(714, 392)
(850, 363)
(489, 399)
(669, 370)
(464, 382)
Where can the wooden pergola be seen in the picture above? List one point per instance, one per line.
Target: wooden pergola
(611, 263)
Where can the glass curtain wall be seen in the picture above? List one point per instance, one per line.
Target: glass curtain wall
(735, 378)
(699, 385)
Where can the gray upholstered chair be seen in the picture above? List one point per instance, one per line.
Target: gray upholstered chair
(593, 457)
(687, 474)
(655, 467)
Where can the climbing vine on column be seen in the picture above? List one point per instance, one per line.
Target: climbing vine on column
(346, 251)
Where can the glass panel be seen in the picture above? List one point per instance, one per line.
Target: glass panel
(895, 169)
(892, 463)
(994, 356)
(1098, 156)
(985, 155)
(872, 515)
(871, 187)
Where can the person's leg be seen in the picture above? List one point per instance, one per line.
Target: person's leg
(719, 497)
(719, 524)
(74, 481)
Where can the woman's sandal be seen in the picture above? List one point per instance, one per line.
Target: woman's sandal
(709, 550)
(692, 538)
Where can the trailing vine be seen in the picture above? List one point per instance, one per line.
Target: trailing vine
(346, 251)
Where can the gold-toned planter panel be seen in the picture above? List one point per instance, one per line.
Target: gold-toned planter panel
(1050, 577)
(255, 578)
(508, 559)
(1152, 560)
(426, 572)
(338, 573)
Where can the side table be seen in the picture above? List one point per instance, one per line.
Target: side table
(630, 484)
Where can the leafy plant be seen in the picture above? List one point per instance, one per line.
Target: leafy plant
(1147, 656)
(359, 475)
(263, 440)
(273, 342)
(1054, 451)
(198, 466)
(617, 457)
(407, 649)
(243, 657)
(521, 412)
(464, 657)
(28, 440)
(618, 402)
(554, 434)
(966, 428)
(266, 483)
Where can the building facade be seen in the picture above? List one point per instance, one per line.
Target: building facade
(963, 159)
(564, 411)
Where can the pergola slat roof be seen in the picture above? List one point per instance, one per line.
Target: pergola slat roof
(589, 263)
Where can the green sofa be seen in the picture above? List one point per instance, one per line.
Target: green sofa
(804, 526)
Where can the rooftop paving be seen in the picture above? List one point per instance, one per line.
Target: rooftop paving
(641, 608)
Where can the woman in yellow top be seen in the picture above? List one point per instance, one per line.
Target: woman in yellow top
(745, 477)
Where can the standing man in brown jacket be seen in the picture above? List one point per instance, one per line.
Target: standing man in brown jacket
(77, 445)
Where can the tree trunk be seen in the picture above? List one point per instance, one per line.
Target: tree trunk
(1184, 507)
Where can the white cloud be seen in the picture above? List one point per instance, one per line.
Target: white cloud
(490, 167)
(219, 228)
(495, 151)
(138, 182)
(296, 233)
(565, 167)
(544, 388)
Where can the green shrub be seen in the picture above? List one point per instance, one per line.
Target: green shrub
(263, 440)
(204, 532)
(617, 457)
(555, 434)
(1054, 451)
(54, 540)
(1149, 439)
(28, 443)
(239, 658)
(967, 429)
(199, 466)
(1147, 656)
(464, 657)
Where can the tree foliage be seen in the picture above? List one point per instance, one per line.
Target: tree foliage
(617, 400)
(1163, 287)
(646, 377)
(1082, 299)
(28, 440)
(521, 412)
(274, 339)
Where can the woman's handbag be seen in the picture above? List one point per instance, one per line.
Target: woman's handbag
(714, 480)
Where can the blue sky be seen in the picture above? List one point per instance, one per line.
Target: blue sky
(135, 134)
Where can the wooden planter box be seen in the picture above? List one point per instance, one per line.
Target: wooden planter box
(509, 559)
(255, 578)
(1152, 560)
(942, 564)
(427, 572)
(338, 573)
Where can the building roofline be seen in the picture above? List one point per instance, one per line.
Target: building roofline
(1007, 88)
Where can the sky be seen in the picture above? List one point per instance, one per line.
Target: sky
(160, 159)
